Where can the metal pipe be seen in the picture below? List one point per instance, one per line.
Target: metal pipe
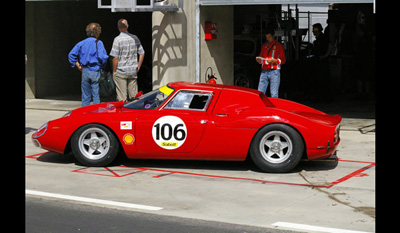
(197, 32)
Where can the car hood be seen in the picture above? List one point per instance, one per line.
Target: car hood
(97, 108)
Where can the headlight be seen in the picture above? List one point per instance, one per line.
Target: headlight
(42, 129)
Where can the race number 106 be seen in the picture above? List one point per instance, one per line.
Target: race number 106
(166, 132)
(169, 132)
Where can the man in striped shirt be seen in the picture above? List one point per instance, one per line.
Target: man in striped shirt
(125, 50)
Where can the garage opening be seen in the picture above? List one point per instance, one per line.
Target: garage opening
(52, 30)
(345, 73)
(250, 23)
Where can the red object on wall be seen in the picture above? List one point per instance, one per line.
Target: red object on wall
(210, 30)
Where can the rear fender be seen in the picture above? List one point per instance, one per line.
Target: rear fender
(291, 106)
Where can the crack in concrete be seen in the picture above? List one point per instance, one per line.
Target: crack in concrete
(369, 211)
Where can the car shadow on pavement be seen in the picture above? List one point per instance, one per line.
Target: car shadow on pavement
(247, 165)
(52, 157)
(191, 164)
(317, 165)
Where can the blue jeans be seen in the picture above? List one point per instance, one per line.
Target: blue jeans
(90, 86)
(267, 76)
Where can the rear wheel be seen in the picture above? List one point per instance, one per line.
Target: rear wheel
(277, 148)
(94, 145)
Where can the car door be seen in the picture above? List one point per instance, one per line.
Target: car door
(176, 128)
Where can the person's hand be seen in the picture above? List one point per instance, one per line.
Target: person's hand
(80, 68)
(271, 60)
(259, 60)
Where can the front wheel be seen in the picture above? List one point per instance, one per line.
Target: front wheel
(94, 145)
(277, 148)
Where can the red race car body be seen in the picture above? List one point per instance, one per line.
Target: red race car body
(195, 121)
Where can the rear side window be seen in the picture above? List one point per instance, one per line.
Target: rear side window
(189, 101)
(265, 100)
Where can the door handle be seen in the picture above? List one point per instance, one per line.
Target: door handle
(221, 115)
(203, 122)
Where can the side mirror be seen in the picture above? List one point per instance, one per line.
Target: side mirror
(140, 93)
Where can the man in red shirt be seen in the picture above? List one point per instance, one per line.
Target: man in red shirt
(272, 56)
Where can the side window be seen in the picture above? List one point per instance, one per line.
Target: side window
(189, 101)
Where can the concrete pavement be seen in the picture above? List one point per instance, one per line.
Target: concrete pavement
(334, 193)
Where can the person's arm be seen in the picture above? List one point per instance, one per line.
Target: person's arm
(78, 66)
(274, 60)
(115, 53)
(281, 58)
(258, 59)
(141, 58)
(328, 51)
(73, 57)
(102, 54)
(115, 63)
(140, 52)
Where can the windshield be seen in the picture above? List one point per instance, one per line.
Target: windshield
(151, 100)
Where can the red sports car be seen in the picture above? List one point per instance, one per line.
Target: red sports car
(195, 121)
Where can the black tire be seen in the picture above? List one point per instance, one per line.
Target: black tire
(94, 145)
(277, 148)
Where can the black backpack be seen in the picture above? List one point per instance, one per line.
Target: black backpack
(106, 84)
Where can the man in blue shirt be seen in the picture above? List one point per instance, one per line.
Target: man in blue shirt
(89, 56)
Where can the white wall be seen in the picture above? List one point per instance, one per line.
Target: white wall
(173, 44)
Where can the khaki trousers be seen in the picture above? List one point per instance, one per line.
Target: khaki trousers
(126, 85)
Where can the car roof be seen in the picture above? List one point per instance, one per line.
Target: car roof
(208, 86)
